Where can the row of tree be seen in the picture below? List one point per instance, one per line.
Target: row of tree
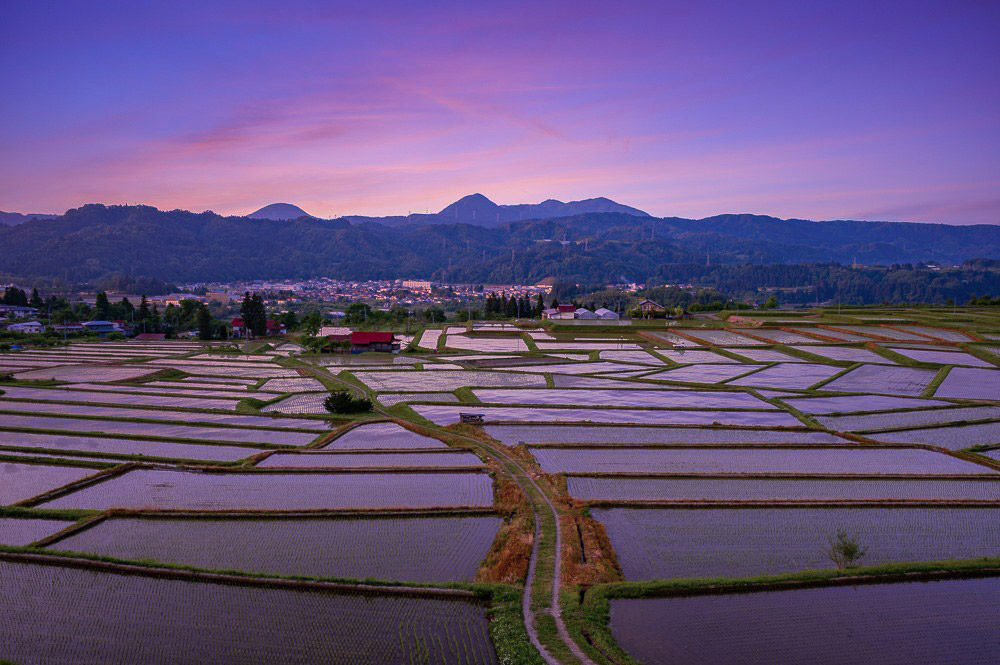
(16, 297)
(500, 306)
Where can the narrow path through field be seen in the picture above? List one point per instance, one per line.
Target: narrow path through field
(539, 502)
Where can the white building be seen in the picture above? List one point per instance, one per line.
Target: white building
(16, 312)
(327, 331)
(28, 328)
(606, 314)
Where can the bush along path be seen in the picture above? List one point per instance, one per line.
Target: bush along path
(540, 602)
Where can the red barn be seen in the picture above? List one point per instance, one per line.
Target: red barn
(374, 341)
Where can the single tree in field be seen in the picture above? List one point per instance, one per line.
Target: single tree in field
(143, 312)
(204, 322)
(36, 300)
(259, 324)
(289, 320)
(844, 550)
(254, 314)
(312, 322)
(342, 401)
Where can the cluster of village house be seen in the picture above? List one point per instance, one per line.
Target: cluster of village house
(574, 312)
(360, 341)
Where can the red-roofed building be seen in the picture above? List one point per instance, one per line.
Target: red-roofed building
(272, 327)
(374, 341)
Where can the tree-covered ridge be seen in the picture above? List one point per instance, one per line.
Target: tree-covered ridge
(730, 252)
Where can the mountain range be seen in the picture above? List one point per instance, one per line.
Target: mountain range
(94, 241)
(478, 210)
(12, 218)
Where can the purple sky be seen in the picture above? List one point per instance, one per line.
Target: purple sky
(822, 110)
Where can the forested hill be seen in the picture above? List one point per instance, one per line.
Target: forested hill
(95, 240)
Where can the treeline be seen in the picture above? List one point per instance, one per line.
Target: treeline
(833, 282)
(498, 305)
(16, 297)
(121, 283)
(138, 249)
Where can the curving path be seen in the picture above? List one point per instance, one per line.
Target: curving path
(523, 479)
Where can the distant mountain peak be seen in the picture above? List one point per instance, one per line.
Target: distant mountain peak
(278, 212)
(472, 208)
(478, 209)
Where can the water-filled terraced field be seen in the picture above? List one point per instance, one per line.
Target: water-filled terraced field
(631, 398)
(63, 614)
(177, 388)
(778, 489)
(815, 461)
(381, 435)
(704, 448)
(654, 543)
(901, 419)
(90, 397)
(953, 438)
(684, 357)
(604, 435)
(24, 531)
(391, 399)
(85, 373)
(966, 383)
(445, 548)
(852, 403)
(21, 481)
(705, 373)
(721, 338)
(443, 380)
(358, 460)
(445, 415)
(942, 357)
(793, 376)
(161, 414)
(951, 621)
(107, 446)
(887, 380)
(179, 490)
(846, 353)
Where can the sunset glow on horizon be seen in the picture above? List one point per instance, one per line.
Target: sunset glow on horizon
(850, 110)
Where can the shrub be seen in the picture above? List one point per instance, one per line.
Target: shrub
(844, 550)
(342, 401)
